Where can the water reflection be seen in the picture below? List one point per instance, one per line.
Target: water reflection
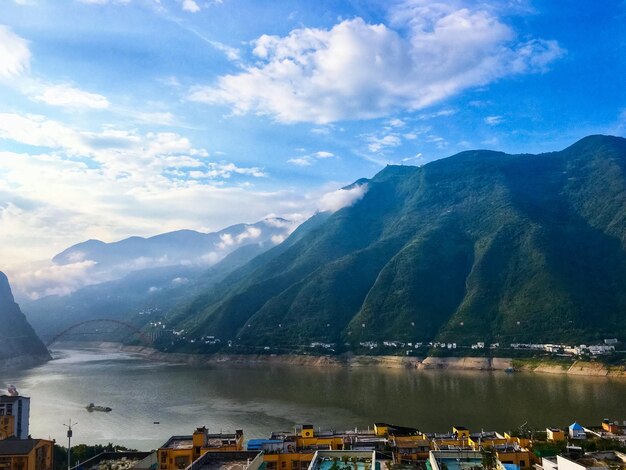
(262, 398)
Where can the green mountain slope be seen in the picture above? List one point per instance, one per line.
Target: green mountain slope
(481, 246)
(19, 345)
(137, 298)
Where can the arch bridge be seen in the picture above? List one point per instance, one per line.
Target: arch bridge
(145, 339)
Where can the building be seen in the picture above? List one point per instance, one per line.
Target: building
(607, 460)
(343, 459)
(180, 451)
(455, 460)
(296, 450)
(408, 449)
(119, 461)
(228, 460)
(576, 431)
(611, 427)
(26, 454)
(555, 434)
(14, 416)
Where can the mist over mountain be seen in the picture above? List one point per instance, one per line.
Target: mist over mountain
(150, 275)
(94, 261)
(19, 345)
(137, 298)
(480, 246)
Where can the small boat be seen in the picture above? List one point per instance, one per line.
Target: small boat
(91, 407)
(509, 370)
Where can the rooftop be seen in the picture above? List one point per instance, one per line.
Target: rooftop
(14, 446)
(9, 398)
(178, 442)
(343, 460)
(456, 460)
(228, 461)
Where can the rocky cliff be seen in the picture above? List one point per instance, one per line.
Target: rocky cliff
(19, 345)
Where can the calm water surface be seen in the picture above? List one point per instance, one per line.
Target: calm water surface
(262, 398)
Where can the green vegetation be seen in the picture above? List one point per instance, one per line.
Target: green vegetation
(82, 452)
(482, 246)
(17, 337)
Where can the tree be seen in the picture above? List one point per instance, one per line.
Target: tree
(490, 458)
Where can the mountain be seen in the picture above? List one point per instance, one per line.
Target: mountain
(19, 345)
(94, 262)
(141, 295)
(480, 246)
(173, 248)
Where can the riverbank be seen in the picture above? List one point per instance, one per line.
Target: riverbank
(544, 366)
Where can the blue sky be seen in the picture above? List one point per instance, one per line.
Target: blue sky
(134, 117)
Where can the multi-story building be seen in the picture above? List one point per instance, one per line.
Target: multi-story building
(26, 454)
(17, 450)
(14, 416)
(180, 451)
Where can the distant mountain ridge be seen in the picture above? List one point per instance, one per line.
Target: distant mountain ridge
(481, 246)
(151, 274)
(19, 345)
(173, 247)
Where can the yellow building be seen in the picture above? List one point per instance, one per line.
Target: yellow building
(179, 451)
(523, 458)
(408, 449)
(26, 454)
(555, 434)
(306, 438)
(520, 441)
(461, 432)
(288, 460)
(7, 426)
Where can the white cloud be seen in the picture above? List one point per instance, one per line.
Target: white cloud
(114, 183)
(324, 154)
(396, 122)
(50, 279)
(357, 70)
(308, 160)
(160, 118)
(68, 96)
(418, 156)
(104, 2)
(376, 144)
(320, 130)
(278, 239)
(301, 161)
(190, 6)
(14, 53)
(249, 233)
(39, 131)
(439, 141)
(493, 120)
(335, 200)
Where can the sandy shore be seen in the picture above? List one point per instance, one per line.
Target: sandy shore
(578, 368)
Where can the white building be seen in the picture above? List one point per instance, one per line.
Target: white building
(19, 407)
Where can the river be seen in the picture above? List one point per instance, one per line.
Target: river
(262, 398)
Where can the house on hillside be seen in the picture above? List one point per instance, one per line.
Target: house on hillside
(576, 431)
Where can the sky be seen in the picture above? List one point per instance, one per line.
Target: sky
(137, 117)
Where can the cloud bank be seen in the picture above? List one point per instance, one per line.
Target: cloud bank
(335, 200)
(357, 70)
(14, 53)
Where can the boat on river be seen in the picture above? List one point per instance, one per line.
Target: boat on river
(91, 407)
